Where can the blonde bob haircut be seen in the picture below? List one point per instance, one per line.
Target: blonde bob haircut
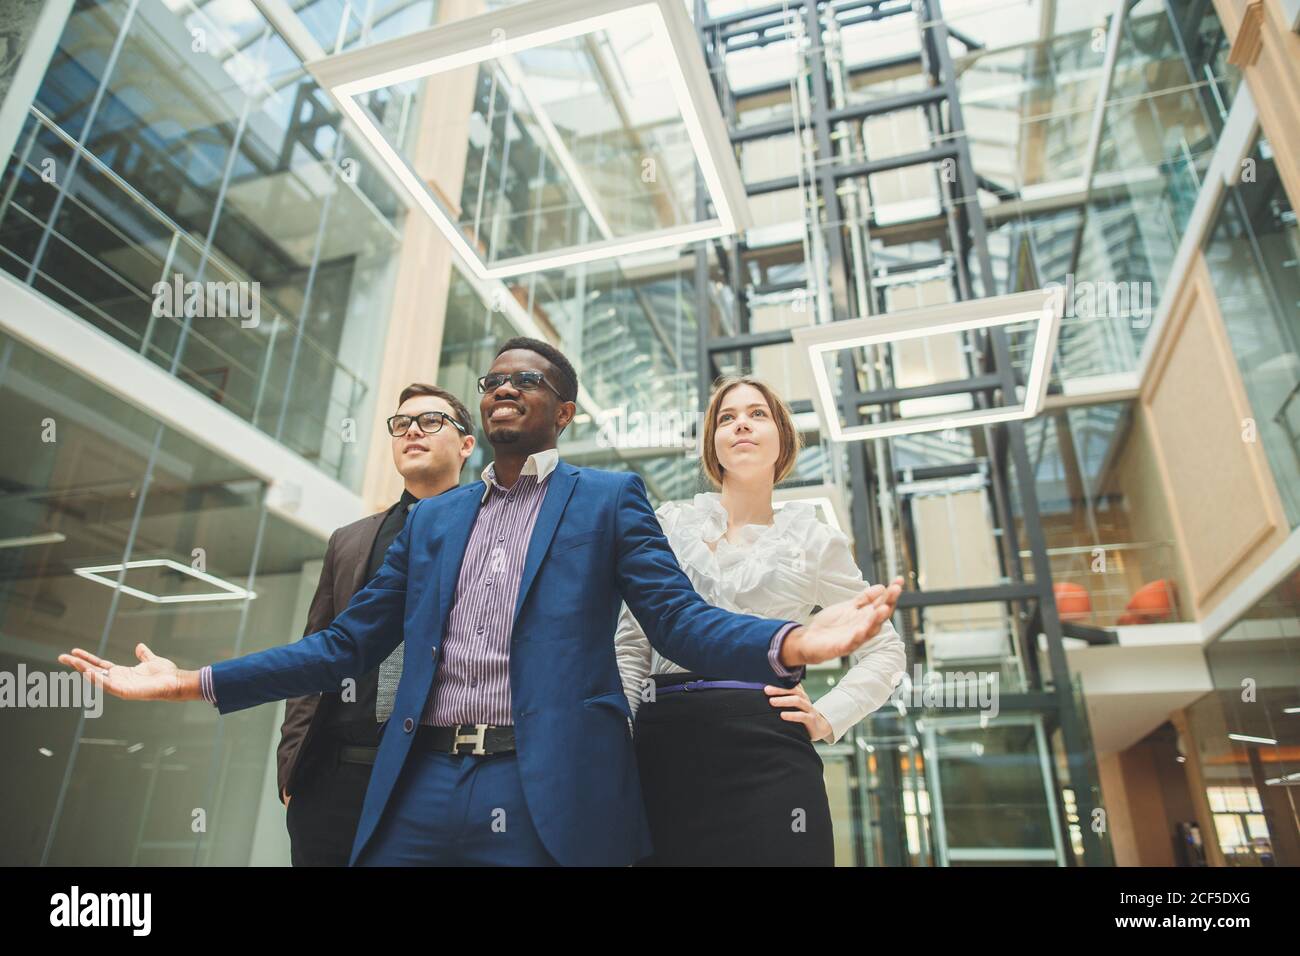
(790, 440)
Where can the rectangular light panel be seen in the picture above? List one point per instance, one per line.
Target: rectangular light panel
(1043, 306)
(502, 35)
(225, 590)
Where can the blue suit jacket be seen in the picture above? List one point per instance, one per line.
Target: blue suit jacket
(596, 542)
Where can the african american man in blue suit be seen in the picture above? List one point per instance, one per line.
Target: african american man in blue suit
(510, 739)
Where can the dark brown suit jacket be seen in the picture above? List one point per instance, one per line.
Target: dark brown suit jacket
(343, 575)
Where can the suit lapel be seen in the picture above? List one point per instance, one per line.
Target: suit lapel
(559, 488)
(455, 541)
(362, 546)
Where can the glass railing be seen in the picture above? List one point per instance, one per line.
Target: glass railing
(1110, 585)
(101, 249)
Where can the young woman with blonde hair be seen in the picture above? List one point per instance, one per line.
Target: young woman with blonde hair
(728, 770)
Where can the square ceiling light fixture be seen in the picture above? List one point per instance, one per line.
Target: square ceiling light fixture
(584, 124)
(818, 344)
(225, 590)
(828, 499)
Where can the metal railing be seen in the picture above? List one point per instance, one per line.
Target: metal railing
(1111, 574)
(230, 362)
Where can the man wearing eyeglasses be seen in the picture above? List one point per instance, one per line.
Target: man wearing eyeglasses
(328, 741)
(510, 740)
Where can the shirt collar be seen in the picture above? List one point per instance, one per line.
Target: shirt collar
(540, 463)
(405, 502)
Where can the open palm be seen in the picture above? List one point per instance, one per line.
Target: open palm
(154, 678)
(839, 629)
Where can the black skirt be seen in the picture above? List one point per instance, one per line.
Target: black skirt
(728, 782)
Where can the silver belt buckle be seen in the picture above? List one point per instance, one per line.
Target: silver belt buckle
(477, 738)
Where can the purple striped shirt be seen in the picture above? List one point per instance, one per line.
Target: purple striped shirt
(472, 683)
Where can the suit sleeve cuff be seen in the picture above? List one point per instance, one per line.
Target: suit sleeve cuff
(205, 685)
(774, 655)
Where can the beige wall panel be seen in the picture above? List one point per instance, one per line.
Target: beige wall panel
(1152, 829)
(1227, 515)
(1119, 820)
(955, 549)
(414, 330)
(780, 365)
(1269, 54)
(1275, 82)
(769, 158)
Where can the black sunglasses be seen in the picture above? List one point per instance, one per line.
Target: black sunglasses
(525, 381)
(430, 423)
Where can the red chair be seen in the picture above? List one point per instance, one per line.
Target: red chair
(1153, 603)
(1073, 603)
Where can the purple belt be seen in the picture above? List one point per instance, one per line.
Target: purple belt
(709, 684)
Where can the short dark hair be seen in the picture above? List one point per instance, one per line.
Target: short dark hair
(568, 384)
(458, 409)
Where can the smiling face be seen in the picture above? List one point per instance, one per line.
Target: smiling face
(529, 418)
(422, 458)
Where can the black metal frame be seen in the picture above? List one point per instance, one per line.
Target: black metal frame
(1003, 445)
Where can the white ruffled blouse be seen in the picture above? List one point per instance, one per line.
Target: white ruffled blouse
(782, 570)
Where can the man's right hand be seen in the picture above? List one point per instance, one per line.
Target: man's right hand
(839, 629)
(154, 678)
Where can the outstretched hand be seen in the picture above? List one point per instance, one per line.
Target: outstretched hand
(838, 630)
(154, 678)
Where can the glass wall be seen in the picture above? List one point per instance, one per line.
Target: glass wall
(1109, 239)
(1253, 254)
(1245, 732)
(181, 149)
(1110, 540)
(1030, 106)
(339, 25)
(187, 139)
(1160, 125)
(93, 483)
(572, 143)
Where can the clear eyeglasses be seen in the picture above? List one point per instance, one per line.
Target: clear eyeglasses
(430, 423)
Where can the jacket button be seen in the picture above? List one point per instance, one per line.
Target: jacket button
(408, 725)
(435, 652)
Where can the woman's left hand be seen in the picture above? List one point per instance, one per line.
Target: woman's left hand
(801, 710)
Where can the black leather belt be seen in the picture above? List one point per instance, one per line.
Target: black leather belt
(462, 739)
(350, 753)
